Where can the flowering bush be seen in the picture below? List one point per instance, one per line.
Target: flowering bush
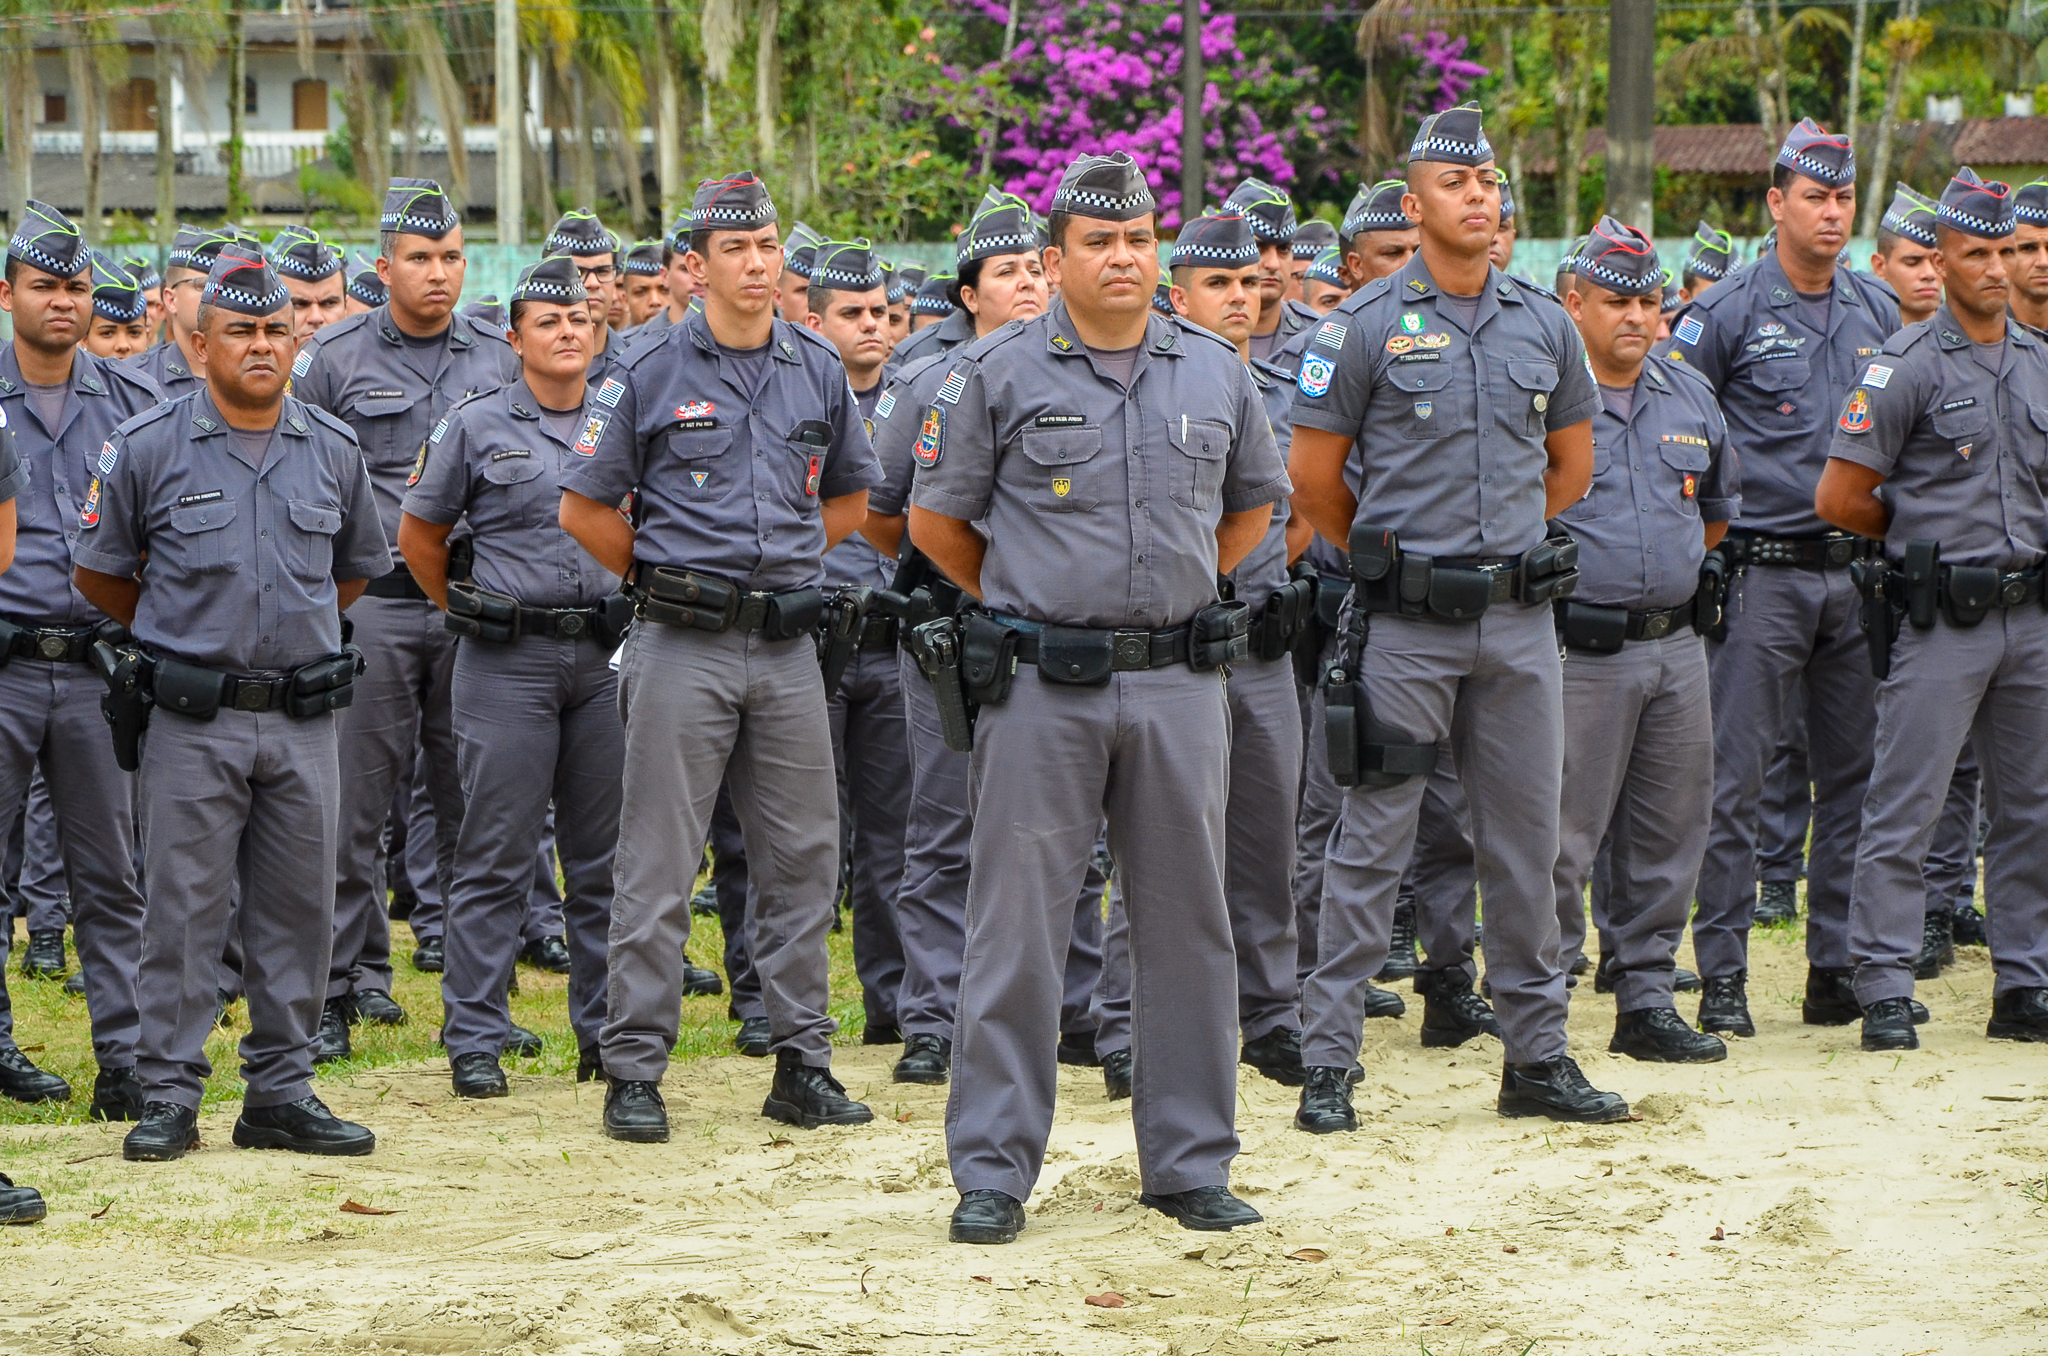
(1442, 74)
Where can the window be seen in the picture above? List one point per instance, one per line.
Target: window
(309, 105)
(55, 112)
(131, 107)
(248, 94)
(482, 99)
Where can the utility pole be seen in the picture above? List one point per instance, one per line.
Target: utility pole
(511, 126)
(1191, 84)
(1632, 112)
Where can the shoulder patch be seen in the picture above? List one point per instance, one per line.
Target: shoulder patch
(303, 363)
(1878, 376)
(885, 404)
(89, 515)
(1316, 374)
(1856, 414)
(951, 388)
(593, 433)
(1331, 333)
(1689, 331)
(419, 465)
(608, 394)
(440, 430)
(108, 458)
(931, 437)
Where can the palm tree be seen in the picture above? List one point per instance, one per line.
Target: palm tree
(19, 20)
(96, 60)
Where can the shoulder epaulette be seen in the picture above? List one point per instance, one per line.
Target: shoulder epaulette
(487, 331)
(1190, 327)
(1903, 339)
(149, 416)
(348, 325)
(1538, 288)
(812, 336)
(917, 367)
(332, 421)
(1671, 364)
(1372, 291)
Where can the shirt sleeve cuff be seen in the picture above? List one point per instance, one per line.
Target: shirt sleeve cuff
(1862, 454)
(1719, 510)
(364, 567)
(931, 497)
(1274, 490)
(887, 500)
(1307, 416)
(429, 510)
(1577, 414)
(866, 478)
(106, 562)
(592, 486)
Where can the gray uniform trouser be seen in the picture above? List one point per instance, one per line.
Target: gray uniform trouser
(417, 848)
(700, 707)
(534, 719)
(1784, 810)
(1442, 878)
(42, 888)
(1988, 682)
(50, 718)
(1951, 867)
(1149, 751)
(1322, 805)
(1787, 628)
(1639, 757)
(401, 706)
(1494, 689)
(735, 895)
(1258, 865)
(255, 799)
(871, 747)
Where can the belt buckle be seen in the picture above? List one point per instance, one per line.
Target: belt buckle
(2012, 589)
(252, 697)
(1131, 649)
(52, 646)
(753, 612)
(569, 624)
(1841, 551)
(1656, 626)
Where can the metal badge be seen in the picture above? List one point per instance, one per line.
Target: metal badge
(1541, 402)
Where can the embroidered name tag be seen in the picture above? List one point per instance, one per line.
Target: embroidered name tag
(207, 497)
(510, 453)
(1060, 420)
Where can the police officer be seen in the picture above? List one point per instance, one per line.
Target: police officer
(1377, 237)
(257, 521)
(1639, 743)
(1940, 450)
(18, 1204)
(172, 364)
(365, 290)
(1468, 397)
(1271, 214)
(119, 326)
(311, 270)
(1311, 238)
(929, 306)
(2029, 300)
(1708, 257)
(748, 460)
(793, 284)
(1005, 244)
(676, 281)
(143, 269)
(1121, 461)
(1904, 258)
(1322, 283)
(535, 700)
(1781, 342)
(1502, 252)
(581, 236)
(61, 405)
(391, 374)
(644, 293)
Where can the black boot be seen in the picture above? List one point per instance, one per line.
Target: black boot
(699, 982)
(44, 956)
(477, 1075)
(1383, 1002)
(222, 1001)
(704, 904)
(547, 953)
(807, 1096)
(116, 1096)
(1661, 1036)
(2019, 1015)
(304, 1127)
(752, 1038)
(1277, 1055)
(374, 1005)
(1401, 962)
(1967, 926)
(986, 1217)
(165, 1132)
(1116, 1075)
(1451, 1012)
(20, 1204)
(1684, 980)
(1078, 1048)
(521, 1042)
(1777, 903)
(873, 1034)
(1609, 971)
(22, 1081)
(430, 957)
(333, 1043)
(927, 1059)
(75, 982)
(1557, 1089)
(1724, 1006)
(634, 1112)
(1937, 945)
(1211, 1209)
(1888, 1025)
(1326, 1102)
(1830, 998)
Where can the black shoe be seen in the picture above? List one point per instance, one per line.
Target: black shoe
(926, 1059)
(1555, 1088)
(165, 1132)
(547, 953)
(589, 1064)
(374, 1005)
(1116, 1075)
(44, 956)
(752, 1038)
(222, 1001)
(881, 1035)
(1078, 1048)
(704, 904)
(19, 1204)
(1724, 1005)
(332, 1043)
(116, 1096)
(699, 982)
(1211, 1209)
(1581, 963)
(1830, 998)
(477, 1074)
(1326, 1102)
(2019, 1015)
(1684, 980)
(1401, 962)
(1451, 1013)
(1661, 1036)
(635, 1113)
(304, 1127)
(521, 1042)
(1888, 1025)
(403, 903)
(807, 1096)
(1609, 971)
(986, 1217)
(1777, 903)
(1382, 1002)
(429, 956)
(1937, 945)
(74, 983)
(1277, 1055)
(1968, 926)
(22, 1081)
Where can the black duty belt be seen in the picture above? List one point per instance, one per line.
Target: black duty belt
(566, 623)
(1130, 650)
(398, 584)
(1586, 628)
(1835, 550)
(878, 632)
(55, 644)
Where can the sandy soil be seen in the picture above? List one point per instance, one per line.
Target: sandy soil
(1803, 1196)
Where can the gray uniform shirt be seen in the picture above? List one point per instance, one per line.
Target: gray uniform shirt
(58, 489)
(1102, 504)
(1448, 424)
(13, 479)
(164, 364)
(1964, 452)
(242, 557)
(906, 395)
(728, 480)
(392, 393)
(949, 334)
(1781, 383)
(497, 460)
(1659, 476)
(1265, 568)
(855, 563)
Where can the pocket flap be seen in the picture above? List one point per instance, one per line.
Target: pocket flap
(2039, 414)
(316, 517)
(512, 470)
(1533, 376)
(382, 407)
(1206, 440)
(1960, 423)
(1683, 456)
(1780, 374)
(1063, 446)
(1421, 376)
(812, 433)
(695, 444)
(204, 517)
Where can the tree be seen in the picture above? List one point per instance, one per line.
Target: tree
(19, 20)
(1904, 39)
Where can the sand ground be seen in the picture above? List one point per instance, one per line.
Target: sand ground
(1801, 1197)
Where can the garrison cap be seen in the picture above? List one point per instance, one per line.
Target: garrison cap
(892, 284)
(912, 276)
(1911, 216)
(932, 298)
(241, 280)
(1452, 137)
(115, 293)
(417, 207)
(1672, 301)
(1376, 207)
(580, 235)
(800, 251)
(1223, 239)
(1105, 187)
(143, 269)
(1568, 262)
(2030, 203)
(678, 238)
(1162, 299)
(1311, 238)
(846, 266)
(1270, 211)
(555, 278)
(1712, 253)
(1001, 224)
(1507, 199)
(194, 247)
(1328, 268)
(1813, 151)
(1976, 207)
(738, 202)
(46, 239)
(487, 310)
(299, 252)
(364, 284)
(644, 258)
(1619, 258)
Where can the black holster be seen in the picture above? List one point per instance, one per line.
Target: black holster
(461, 559)
(325, 684)
(1710, 599)
(1364, 751)
(479, 614)
(1550, 569)
(935, 646)
(126, 704)
(614, 620)
(1290, 610)
(1881, 610)
(845, 616)
(686, 598)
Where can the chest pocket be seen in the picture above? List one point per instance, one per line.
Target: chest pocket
(389, 429)
(2034, 442)
(518, 486)
(1425, 411)
(1197, 473)
(1779, 392)
(1965, 437)
(1063, 473)
(1535, 383)
(204, 546)
(701, 463)
(1601, 495)
(809, 441)
(312, 538)
(1685, 465)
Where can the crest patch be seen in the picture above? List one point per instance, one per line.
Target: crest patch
(1424, 408)
(1316, 374)
(1965, 450)
(1400, 343)
(698, 478)
(1411, 322)
(696, 409)
(1690, 487)
(1433, 340)
(89, 516)
(419, 467)
(593, 429)
(1856, 414)
(931, 438)
(1061, 485)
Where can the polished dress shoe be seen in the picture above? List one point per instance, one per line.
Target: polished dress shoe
(116, 1096)
(374, 1005)
(1116, 1075)
(1383, 1002)
(807, 1096)
(1557, 1089)
(1967, 926)
(74, 983)
(1937, 945)
(986, 1217)
(752, 1038)
(430, 956)
(1777, 903)
(699, 982)
(478, 1075)
(304, 1127)
(1661, 1036)
(1724, 1005)
(1326, 1102)
(927, 1059)
(704, 903)
(1277, 1055)
(1451, 1012)
(589, 1064)
(19, 1204)
(332, 1042)
(403, 904)
(1888, 1025)
(1211, 1209)
(1582, 963)
(2019, 1015)
(1401, 962)
(22, 1081)
(881, 1035)
(1607, 973)
(1078, 1048)
(547, 953)
(166, 1131)
(521, 1042)
(43, 958)
(635, 1113)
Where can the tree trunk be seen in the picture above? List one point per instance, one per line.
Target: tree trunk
(409, 114)
(166, 145)
(625, 148)
(988, 140)
(583, 160)
(1781, 106)
(767, 79)
(668, 122)
(1903, 39)
(1766, 107)
(86, 87)
(17, 66)
(541, 184)
(1192, 84)
(1574, 93)
(1632, 112)
(1859, 36)
(431, 66)
(1508, 138)
(238, 72)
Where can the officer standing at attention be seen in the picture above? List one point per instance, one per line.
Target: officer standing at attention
(1471, 405)
(582, 237)
(1323, 285)
(173, 364)
(364, 291)
(644, 292)
(1904, 258)
(748, 461)
(311, 271)
(1377, 237)
(1122, 461)
(535, 700)
(61, 405)
(1311, 238)
(1639, 738)
(2029, 282)
(390, 375)
(1271, 214)
(142, 268)
(1013, 247)
(1951, 420)
(257, 522)
(119, 326)
(930, 305)
(792, 285)
(1781, 342)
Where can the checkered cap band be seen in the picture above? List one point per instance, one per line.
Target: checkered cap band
(1377, 208)
(1454, 136)
(931, 296)
(580, 234)
(1270, 211)
(46, 239)
(739, 202)
(417, 207)
(554, 278)
(1221, 240)
(1004, 229)
(1106, 187)
(1162, 300)
(1311, 238)
(1618, 258)
(302, 254)
(1912, 216)
(143, 271)
(1977, 206)
(644, 259)
(1507, 199)
(364, 284)
(1811, 150)
(241, 279)
(846, 266)
(115, 293)
(679, 231)
(2030, 203)
(1328, 268)
(1672, 301)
